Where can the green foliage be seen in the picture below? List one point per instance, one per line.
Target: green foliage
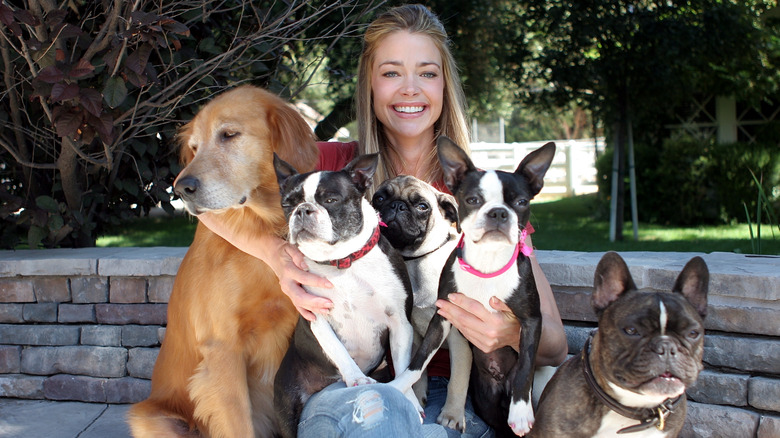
(688, 182)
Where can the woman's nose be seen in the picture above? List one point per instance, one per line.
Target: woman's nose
(410, 87)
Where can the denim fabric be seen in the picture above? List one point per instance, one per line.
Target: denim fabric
(362, 411)
(437, 395)
(380, 411)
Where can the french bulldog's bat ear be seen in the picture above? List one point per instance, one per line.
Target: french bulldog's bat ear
(455, 162)
(535, 165)
(449, 206)
(362, 170)
(283, 170)
(693, 282)
(611, 280)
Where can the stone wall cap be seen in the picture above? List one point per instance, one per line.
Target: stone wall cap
(734, 275)
(92, 261)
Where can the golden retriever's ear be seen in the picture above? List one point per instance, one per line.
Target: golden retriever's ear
(291, 137)
(182, 138)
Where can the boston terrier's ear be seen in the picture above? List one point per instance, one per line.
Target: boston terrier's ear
(455, 162)
(693, 282)
(449, 208)
(611, 280)
(362, 170)
(535, 165)
(283, 170)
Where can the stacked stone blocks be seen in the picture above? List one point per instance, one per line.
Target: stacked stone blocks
(87, 324)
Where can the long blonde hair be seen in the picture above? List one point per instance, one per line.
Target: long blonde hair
(413, 18)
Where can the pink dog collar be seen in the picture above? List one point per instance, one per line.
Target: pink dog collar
(520, 248)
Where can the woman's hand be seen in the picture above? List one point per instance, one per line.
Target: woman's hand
(487, 330)
(292, 271)
(285, 260)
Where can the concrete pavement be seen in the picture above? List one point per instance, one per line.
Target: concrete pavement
(49, 419)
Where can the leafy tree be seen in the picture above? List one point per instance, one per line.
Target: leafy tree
(630, 62)
(93, 92)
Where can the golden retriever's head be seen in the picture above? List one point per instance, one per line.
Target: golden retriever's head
(228, 151)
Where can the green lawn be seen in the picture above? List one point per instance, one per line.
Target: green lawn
(564, 224)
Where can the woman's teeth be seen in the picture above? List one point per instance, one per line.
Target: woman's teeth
(408, 109)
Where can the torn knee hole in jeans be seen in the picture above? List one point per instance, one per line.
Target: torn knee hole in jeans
(369, 408)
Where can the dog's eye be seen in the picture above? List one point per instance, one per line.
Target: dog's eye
(227, 135)
(693, 334)
(422, 206)
(521, 202)
(330, 200)
(631, 331)
(379, 198)
(474, 200)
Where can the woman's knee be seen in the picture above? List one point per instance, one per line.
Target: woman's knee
(371, 410)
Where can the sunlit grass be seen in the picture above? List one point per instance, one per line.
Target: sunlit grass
(562, 224)
(570, 224)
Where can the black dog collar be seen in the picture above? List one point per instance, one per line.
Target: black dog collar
(410, 258)
(647, 417)
(346, 262)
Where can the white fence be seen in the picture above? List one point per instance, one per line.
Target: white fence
(573, 171)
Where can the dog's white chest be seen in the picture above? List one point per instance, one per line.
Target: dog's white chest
(366, 298)
(482, 289)
(613, 422)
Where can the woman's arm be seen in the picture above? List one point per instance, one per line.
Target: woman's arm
(490, 331)
(285, 260)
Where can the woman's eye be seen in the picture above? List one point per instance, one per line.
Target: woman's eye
(390, 74)
(430, 75)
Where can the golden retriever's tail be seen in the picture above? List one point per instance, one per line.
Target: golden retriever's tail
(150, 419)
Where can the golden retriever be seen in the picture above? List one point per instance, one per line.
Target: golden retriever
(229, 323)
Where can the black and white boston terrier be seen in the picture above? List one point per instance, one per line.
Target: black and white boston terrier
(337, 230)
(631, 375)
(491, 259)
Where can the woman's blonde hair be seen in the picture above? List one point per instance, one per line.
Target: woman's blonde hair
(413, 18)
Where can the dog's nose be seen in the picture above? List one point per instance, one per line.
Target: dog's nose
(665, 347)
(498, 214)
(186, 187)
(398, 206)
(304, 210)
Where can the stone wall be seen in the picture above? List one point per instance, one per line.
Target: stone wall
(86, 325)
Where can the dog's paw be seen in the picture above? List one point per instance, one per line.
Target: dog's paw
(521, 417)
(453, 418)
(360, 380)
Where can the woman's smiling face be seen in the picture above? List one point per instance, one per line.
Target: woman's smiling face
(407, 85)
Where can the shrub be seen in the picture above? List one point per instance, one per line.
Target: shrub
(688, 181)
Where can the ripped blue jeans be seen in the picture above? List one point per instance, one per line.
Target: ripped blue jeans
(381, 411)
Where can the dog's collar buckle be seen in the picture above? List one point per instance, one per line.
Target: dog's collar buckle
(346, 262)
